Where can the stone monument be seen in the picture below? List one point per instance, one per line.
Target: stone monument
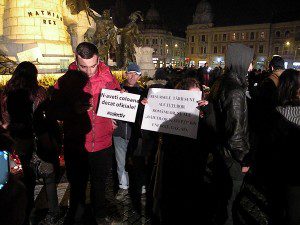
(143, 57)
(42, 31)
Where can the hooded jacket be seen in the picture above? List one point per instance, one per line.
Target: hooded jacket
(99, 137)
(228, 96)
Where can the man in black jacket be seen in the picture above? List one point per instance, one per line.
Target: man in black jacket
(228, 96)
(123, 132)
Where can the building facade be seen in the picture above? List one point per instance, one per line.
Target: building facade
(207, 43)
(168, 49)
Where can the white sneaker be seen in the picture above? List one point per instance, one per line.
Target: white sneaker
(143, 189)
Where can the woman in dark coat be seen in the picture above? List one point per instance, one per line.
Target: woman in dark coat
(277, 161)
(182, 166)
(22, 107)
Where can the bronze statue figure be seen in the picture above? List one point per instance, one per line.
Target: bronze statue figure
(105, 36)
(131, 37)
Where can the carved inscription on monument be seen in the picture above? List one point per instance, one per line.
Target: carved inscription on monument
(46, 14)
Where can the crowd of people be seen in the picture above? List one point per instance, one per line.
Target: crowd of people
(241, 168)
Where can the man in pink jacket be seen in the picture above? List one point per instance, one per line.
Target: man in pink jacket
(87, 137)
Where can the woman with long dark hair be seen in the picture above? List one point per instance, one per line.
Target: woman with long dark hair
(21, 99)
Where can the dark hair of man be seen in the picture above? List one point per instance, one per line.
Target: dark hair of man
(277, 63)
(24, 77)
(187, 84)
(86, 50)
(289, 88)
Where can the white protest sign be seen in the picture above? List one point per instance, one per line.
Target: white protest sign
(172, 111)
(117, 105)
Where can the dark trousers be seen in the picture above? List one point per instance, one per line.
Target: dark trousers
(293, 205)
(229, 179)
(29, 182)
(24, 149)
(137, 178)
(51, 190)
(77, 173)
(100, 170)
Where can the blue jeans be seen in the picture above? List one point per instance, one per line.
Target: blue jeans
(120, 151)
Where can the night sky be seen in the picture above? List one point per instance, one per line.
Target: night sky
(177, 14)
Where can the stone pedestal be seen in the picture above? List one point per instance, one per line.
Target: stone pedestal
(144, 59)
(37, 31)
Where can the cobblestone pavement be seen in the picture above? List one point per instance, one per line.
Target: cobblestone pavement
(121, 212)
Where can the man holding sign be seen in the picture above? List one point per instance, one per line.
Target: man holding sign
(123, 132)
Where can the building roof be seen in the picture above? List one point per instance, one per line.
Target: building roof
(152, 19)
(203, 13)
(152, 14)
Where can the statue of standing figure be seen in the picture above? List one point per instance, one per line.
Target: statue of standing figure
(105, 36)
(130, 38)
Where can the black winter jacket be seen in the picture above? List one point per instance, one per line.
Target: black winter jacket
(231, 115)
(277, 159)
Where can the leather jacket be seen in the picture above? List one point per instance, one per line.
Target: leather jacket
(228, 96)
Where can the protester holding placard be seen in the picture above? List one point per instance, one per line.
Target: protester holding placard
(123, 132)
(140, 159)
(181, 166)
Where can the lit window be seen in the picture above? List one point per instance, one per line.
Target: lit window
(234, 36)
(243, 36)
(262, 34)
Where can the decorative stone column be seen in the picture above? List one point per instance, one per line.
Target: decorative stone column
(1, 16)
(144, 59)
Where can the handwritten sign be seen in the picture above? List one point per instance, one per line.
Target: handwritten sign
(172, 112)
(119, 106)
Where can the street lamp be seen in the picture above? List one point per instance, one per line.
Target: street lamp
(287, 43)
